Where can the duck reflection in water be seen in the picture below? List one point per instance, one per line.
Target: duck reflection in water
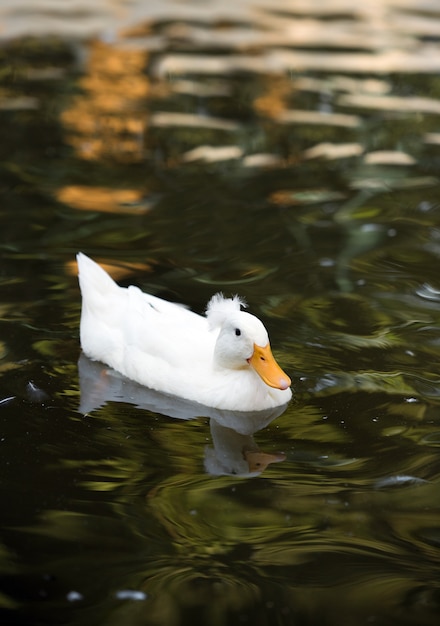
(234, 450)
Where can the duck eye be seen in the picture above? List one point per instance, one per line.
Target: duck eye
(238, 332)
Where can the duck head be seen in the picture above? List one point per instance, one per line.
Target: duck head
(243, 342)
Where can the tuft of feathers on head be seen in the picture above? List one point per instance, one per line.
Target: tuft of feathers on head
(220, 308)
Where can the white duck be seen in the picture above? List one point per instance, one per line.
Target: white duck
(222, 360)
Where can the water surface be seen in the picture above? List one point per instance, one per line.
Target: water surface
(288, 152)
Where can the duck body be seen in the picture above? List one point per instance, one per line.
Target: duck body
(212, 360)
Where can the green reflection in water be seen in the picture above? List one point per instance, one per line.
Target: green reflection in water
(336, 250)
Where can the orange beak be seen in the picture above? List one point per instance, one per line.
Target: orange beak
(268, 369)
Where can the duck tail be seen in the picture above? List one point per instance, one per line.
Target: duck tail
(92, 277)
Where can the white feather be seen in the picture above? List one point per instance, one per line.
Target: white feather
(220, 308)
(173, 350)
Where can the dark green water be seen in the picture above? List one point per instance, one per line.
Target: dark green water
(298, 168)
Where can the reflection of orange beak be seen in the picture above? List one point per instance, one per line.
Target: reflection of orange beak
(268, 369)
(258, 461)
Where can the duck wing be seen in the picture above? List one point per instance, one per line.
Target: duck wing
(167, 330)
